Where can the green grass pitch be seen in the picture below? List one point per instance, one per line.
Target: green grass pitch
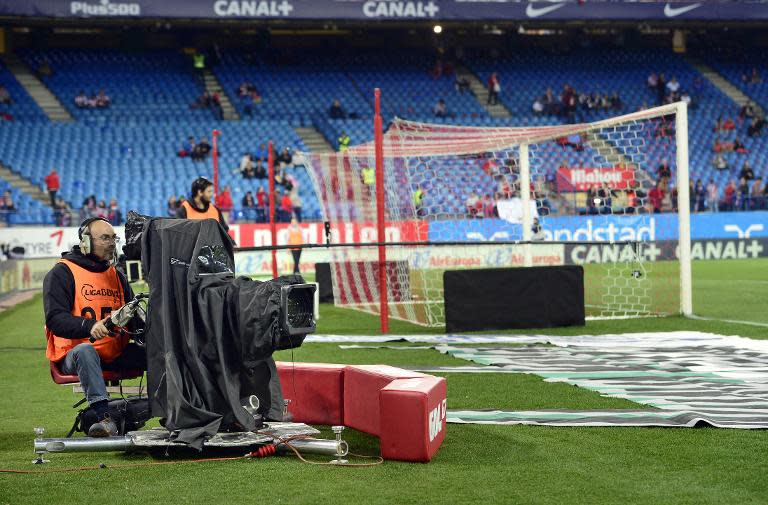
(477, 464)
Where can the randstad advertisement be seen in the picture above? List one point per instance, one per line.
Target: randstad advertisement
(598, 228)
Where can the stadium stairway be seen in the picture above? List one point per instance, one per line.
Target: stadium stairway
(212, 85)
(314, 140)
(723, 84)
(46, 100)
(480, 91)
(24, 185)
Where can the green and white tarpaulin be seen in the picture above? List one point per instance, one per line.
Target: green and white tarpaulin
(718, 381)
(685, 378)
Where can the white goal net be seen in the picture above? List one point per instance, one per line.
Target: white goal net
(610, 195)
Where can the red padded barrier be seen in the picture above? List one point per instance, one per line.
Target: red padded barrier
(315, 390)
(405, 409)
(412, 418)
(362, 384)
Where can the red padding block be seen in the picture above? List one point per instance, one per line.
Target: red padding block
(315, 390)
(362, 384)
(412, 418)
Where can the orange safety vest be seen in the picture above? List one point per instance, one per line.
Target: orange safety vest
(193, 213)
(97, 294)
(294, 237)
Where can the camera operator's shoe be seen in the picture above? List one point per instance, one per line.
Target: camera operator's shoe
(104, 428)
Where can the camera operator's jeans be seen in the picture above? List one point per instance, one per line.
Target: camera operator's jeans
(84, 361)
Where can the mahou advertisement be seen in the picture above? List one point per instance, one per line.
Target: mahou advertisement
(581, 179)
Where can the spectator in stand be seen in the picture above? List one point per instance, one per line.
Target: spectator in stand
(616, 102)
(418, 201)
(223, 202)
(755, 127)
(286, 208)
(246, 164)
(62, 213)
(368, 176)
(218, 112)
(187, 148)
(8, 208)
(764, 195)
(673, 86)
(719, 162)
(699, 197)
(729, 197)
(652, 81)
(592, 200)
(114, 215)
(285, 158)
(53, 184)
(247, 102)
(747, 111)
(440, 110)
(746, 172)
(173, 206)
(661, 89)
(201, 150)
(605, 194)
(89, 207)
(260, 170)
(752, 78)
(538, 107)
(664, 173)
(261, 205)
(494, 88)
(743, 194)
(655, 197)
(261, 153)
(471, 204)
(5, 97)
(461, 85)
(101, 210)
(344, 141)
(670, 200)
(713, 194)
(489, 206)
(336, 111)
(248, 204)
(81, 100)
(202, 102)
(550, 103)
(757, 194)
(102, 99)
(739, 147)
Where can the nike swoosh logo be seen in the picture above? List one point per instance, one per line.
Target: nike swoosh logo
(672, 12)
(534, 12)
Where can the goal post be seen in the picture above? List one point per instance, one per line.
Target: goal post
(450, 196)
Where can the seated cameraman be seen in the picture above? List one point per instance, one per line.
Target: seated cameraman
(200, 206)
(79, 294)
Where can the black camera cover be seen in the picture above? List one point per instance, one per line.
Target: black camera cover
(210, 336)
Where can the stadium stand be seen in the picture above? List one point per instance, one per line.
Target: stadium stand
(137, 137)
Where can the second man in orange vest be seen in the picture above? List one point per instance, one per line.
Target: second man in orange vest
(200, 206)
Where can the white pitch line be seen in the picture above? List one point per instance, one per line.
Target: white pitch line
(731, 321)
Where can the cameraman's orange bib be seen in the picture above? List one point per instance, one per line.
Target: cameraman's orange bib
(97, 294)
(193, 213)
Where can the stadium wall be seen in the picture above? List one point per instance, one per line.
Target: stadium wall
(733, 235)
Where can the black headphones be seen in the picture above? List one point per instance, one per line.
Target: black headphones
(84, 234)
